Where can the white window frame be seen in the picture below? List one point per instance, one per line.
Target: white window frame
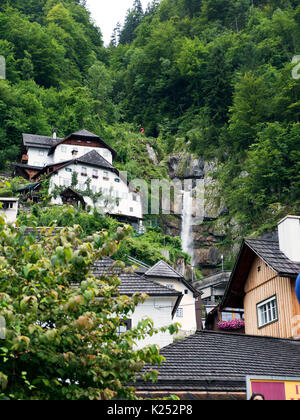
(267, 312)
(179, 313)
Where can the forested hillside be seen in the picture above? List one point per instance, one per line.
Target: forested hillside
(212, 77)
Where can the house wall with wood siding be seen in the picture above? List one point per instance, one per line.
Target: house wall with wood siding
(262, 284)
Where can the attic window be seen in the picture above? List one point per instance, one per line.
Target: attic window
(267, 312)
(259, 268)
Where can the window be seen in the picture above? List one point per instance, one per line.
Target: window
(106, 176)
(64, 149)
(267, 312)
(7, 205)
(117, 180)
(131, 209)
(95, 173)
(83, 171)
(134, 197)
(68, 170)
(179, 313)
(124, 326)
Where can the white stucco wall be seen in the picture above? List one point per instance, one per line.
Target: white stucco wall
(120, 200)
(9, 214)
(39, 157)
(63, 152)
(160, 311)
(187, 306)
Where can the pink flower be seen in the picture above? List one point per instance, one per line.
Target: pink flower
(234, 324)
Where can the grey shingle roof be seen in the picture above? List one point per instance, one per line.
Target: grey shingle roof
(270, 252)
(85, 133)
(93, 158)
(39, 141)
(162, 270)
(210, 361)
(130, 282)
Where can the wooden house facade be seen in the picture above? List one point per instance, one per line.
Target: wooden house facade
(263, 284)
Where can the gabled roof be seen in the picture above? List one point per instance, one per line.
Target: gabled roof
(269, 252)
(94, 159)
(91, 158)
(212, 361)
(162, 270)
(84, 135)
(130, 282)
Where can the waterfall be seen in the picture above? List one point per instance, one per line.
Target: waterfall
(187, 223)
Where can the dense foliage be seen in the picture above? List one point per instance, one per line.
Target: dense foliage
(218, 74)
(147, 247)
(59, 338)
(213, 77)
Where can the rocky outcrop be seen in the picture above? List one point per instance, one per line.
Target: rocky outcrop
(209, 229)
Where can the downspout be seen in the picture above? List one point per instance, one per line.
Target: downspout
(178, 302)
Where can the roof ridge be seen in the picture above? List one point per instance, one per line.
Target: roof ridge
(168, 265)
(227, 333)
(92, 152)
(262, 240)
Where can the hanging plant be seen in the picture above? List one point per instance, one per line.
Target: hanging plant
(234, 324)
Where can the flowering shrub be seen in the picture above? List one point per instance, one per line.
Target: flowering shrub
(234, 324)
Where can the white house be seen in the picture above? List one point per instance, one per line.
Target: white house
(9, 208)
(91, 159)
(189, 312)
(160, 306)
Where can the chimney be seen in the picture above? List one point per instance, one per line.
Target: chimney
(289, 237)
(54, 133)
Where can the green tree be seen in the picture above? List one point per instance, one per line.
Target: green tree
(61, 337)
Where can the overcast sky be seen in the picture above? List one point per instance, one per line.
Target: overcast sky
(107, 13)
